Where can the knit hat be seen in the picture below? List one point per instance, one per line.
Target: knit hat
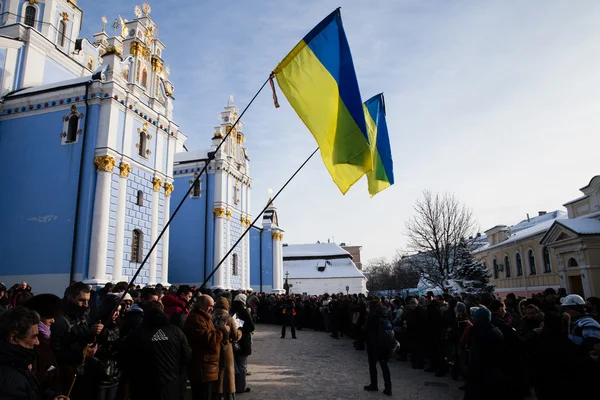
(47, 305)
(241, 297)
(461, 308)
(482, 316)
(222, 303)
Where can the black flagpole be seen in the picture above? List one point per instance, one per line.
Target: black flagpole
(250, 226)
(211, 157)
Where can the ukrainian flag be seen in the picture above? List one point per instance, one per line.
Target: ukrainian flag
(382, 174)
(319, 81)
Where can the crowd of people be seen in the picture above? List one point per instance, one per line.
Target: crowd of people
(548, 344)
(121, 342)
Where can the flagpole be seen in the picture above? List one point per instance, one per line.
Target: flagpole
(250, 226)
(211, 157)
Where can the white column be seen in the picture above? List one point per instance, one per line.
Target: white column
(99, 239)
(218, 278)
(165, 240)
(124, 170)
(277, 266)
(157, 183)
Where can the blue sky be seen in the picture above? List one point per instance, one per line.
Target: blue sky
(494, 101)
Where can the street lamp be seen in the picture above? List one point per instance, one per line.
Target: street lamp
(347, 289)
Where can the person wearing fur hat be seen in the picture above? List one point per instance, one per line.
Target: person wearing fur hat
(225, 386)
(49, 307)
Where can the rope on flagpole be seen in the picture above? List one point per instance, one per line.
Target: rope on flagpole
(250, 226)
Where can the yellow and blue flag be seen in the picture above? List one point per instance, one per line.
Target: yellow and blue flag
(318, 79)
(382, 174)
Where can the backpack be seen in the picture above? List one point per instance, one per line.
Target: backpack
(385, 335)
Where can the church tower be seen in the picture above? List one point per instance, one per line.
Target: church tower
(218, 212)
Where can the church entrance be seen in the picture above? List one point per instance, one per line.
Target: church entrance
(576, 285)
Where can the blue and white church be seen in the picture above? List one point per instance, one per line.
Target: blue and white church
(90, 157)
(87, 147)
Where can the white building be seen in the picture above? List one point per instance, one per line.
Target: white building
(321, 268)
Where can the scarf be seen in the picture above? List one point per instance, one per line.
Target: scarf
(44, 330)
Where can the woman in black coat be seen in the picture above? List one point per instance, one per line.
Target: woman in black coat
(375, 352)
(241, 356)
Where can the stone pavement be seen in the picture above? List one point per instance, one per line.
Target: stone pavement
(316, 366)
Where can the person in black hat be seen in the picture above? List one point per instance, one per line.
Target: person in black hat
(49, 307)
(550, 302)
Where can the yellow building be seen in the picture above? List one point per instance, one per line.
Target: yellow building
(554, 250)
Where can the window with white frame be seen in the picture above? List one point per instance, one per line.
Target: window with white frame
(142, 144)
(30, 14)
(546, 257)
(495, 264)
(507, 272)
(519, 264)
(140, 198)
(71, 126)
(196, 189)
(531, 259)
(234, 264)
(137, 244)
(236, 194)
(62, 34)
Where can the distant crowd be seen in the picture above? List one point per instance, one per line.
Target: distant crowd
(548, 344)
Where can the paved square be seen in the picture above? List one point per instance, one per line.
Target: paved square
(316, 366)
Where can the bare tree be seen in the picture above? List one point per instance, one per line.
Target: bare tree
(438, 225)
(407, 277)
(380, 276)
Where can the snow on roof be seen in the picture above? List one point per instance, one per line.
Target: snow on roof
(582, 226)
(314, 250)
(56, 85)
(576, 200)
(543, 223)
(309, 269)
(188, 156)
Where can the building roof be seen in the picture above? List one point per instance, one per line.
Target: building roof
(334, 268)
(582, 226)
(190, 156)
(51, 86)
(528, 228)
(314, 250)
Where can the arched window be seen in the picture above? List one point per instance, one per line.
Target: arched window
(519, 264)
(30, 12)
(137, 244)
(495, 269)
(572, 263)
(140, 198)
(531, 258)
(234, 264)
(507, 266)
(62, 33)
(547, 265)
(196, 189)
(142, 144)
(145, 77)
(72, 129)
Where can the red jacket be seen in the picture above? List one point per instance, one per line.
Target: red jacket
(173, 305)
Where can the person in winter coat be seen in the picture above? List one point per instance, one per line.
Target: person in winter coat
(18, 337)
(288, 310)
(48, 307)
(485, 379)
(205, 341)
(101, 373)
(374, 351)
(241, 356)
(134, 316)
(72, 336)
(21, 294)
(225, 387)
(154, 356)
(176, 305)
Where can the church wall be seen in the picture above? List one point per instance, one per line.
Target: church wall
(187, 234)
(54, 72)
(210, 228)
(236, 231)
(38, 220)
(267, 260)
(255, 258)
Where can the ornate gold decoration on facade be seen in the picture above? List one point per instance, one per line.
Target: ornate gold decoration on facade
(149, 35)
(169, 189)
(229, 130)
(245, 221)
(240, 138)
(218, 135)
(124, 29)
(157, 65)
(34, 2)
(114, 49)
(168, 90)
(228, 214)
(277, 236)
(124, 169)
(156, 183)
(65, 16)
(135, 48)
(104, 22)
(105, 163)
(219, 212)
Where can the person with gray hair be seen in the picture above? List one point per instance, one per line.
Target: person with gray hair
(18, 337)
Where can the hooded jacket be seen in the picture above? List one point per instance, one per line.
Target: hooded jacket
(154, 356)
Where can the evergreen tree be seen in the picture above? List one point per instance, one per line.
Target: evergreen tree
(472, 276)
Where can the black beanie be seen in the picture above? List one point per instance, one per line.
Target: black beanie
(46, 305)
